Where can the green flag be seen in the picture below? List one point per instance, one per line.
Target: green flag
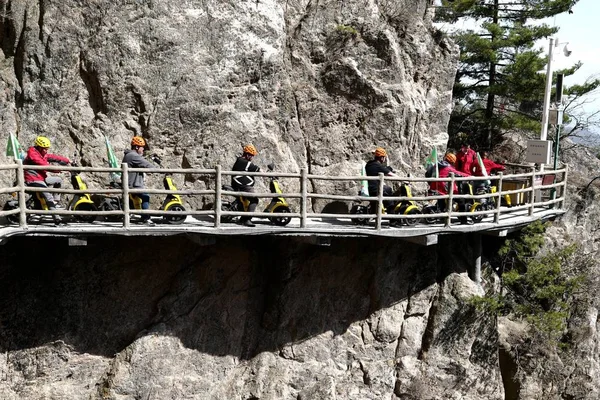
(13, 148)
(432, 162)
(112, 160)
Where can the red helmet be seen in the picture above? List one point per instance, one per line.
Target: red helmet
(138, 141)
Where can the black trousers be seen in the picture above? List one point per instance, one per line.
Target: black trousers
(253, 201)
(387, 192)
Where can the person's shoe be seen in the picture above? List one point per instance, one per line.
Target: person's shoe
(466, 221)
(58, 221)
(59, 206)
(248, 223)
(147, 222)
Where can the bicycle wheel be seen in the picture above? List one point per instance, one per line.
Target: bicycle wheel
(412, 221)
(175, 219)
(431, 210)
(477, 218)
(226, 218)
(106, 206)
(85, 207)
(12, 218)
(359, 209)
(281, 221)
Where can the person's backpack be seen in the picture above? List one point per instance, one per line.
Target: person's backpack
(430, 172)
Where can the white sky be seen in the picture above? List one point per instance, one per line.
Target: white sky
(582, 30)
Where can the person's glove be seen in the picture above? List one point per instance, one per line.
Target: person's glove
(156, 159)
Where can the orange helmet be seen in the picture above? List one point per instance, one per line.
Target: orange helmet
(380, 152)
(451, 158)
(138, 141)
(250, 149)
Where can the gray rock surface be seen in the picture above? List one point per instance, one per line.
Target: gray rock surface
(311, 84)
(242, 318)
(315, 84)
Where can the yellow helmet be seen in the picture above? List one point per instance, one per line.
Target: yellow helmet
(138, 141)
(250, 149)
(42, 141)
(380, 152)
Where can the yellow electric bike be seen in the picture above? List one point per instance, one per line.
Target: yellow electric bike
(277, 204)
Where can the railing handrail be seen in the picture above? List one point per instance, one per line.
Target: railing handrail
(532, 177)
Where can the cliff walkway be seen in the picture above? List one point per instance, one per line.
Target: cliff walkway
(519, 199)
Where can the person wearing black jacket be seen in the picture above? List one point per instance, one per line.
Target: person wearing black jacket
(374, 168)
(245, 183)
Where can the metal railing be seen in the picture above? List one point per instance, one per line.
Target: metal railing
(531, 187)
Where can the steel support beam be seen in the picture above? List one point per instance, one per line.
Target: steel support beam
(475, 267)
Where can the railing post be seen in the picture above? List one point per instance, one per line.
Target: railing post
(498, 198)
(532, 193)
(125, 187)
(450, 199)
(304, 197)
(22, 199)
(218, 184)
(563, 194)
(379, 202)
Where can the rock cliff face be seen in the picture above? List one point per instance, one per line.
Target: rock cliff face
(311, 83)
(315, 83)
(247, 318)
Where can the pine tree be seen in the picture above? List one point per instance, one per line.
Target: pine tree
(497, 85)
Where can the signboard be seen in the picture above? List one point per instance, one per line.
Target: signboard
(555, 117)
(539, 151)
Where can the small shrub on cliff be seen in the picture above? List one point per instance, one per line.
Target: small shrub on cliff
(537, 288)
(346, 30)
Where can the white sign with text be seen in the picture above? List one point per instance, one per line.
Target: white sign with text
(539, 151)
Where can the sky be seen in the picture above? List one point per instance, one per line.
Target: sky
(581, 30)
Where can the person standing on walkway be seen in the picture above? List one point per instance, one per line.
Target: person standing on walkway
(245, 183)
(466, 159)
(38, 155)
(134, 158)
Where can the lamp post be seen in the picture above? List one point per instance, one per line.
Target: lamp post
(546, 109)
(547, 91)
(559, 118)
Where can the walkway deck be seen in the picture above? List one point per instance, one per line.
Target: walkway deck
(425, 234)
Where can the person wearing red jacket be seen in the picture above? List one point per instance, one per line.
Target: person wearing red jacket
(38, 155)
(445, 168)
(466, 159)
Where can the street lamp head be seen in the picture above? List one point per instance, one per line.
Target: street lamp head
(566, 51)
